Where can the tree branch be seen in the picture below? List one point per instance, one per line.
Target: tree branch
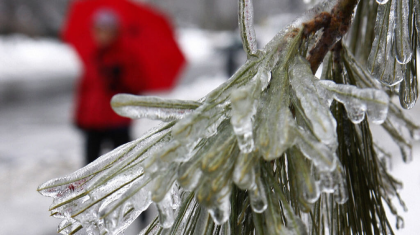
(339, 24)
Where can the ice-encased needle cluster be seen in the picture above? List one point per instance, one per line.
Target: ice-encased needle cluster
(191, 163)
(155, 108)
(392, 56)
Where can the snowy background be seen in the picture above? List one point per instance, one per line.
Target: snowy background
(38, 141)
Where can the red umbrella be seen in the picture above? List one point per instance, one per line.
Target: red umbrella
(145, 31)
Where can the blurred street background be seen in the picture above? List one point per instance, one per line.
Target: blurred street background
(38, 72)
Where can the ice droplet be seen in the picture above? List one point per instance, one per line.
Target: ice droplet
(258, 197)
(382, 1)
(155, 108)
(415, 134)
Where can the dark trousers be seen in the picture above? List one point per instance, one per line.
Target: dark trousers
(97, 140)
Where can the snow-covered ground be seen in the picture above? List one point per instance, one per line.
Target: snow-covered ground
(38, 142)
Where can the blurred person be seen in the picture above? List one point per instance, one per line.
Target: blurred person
(115, 42)
(109, 77)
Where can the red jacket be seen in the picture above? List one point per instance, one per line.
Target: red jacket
(106, 73)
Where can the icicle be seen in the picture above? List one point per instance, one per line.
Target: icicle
(175, 193)
(402, 44)
(244, 173)
(264, 76)
(243, 111)
(155, 108)
(166, 213)
(113, 210)
(258, 198)
(217, 203)
(213, 150)
(305, 180)
(408, 89)
(326, 182)
(334, 182)
(382, 1)
(358, 101)
(246, 25)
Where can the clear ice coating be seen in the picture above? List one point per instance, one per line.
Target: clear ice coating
(244, 172)
(107, 195)
(276, 114)
(323, 158)
(317, 112)
(243, 110)
(217, 142)
(334, 182)
(417, 21)
(359, 101)
(306, 183)
(166, 211)
(381, 62)
(408, 89)
(164, 182)
(402, 47)
(156, 108)
(246, 25)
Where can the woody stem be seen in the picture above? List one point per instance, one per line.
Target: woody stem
(341, 16)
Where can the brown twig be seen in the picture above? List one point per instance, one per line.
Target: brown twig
(340, 20)
(322, 20)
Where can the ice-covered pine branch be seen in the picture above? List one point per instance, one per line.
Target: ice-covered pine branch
(267, 151)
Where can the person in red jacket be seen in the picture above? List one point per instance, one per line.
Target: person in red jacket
(109, 71)
(124, 47)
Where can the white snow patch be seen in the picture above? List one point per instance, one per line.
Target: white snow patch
(26, 58)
